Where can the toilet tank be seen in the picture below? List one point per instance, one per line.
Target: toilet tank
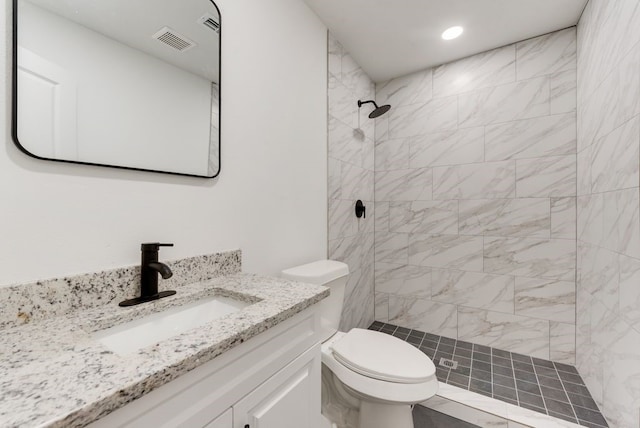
(328, 273)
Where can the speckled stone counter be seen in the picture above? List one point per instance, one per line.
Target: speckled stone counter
(52, 373)
(24, 303)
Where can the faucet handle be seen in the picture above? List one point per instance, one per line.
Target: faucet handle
(153, 246)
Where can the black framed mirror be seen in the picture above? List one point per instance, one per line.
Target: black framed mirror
(119, 83)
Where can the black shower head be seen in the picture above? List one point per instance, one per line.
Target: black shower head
(378, 111)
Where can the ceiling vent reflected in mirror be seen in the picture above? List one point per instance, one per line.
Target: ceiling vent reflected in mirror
(210, 22)
(173, 39)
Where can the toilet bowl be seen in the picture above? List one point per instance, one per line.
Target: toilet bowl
(381, 375)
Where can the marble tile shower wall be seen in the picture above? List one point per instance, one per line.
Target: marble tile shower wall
(608, 265)
(351, 177)
(475, 170)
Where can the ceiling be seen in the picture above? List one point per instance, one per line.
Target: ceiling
(134, 22)
(391, 38)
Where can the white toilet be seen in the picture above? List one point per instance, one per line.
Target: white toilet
(384, 375)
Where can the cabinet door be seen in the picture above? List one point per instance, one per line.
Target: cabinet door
(223, 421)
(289, 399)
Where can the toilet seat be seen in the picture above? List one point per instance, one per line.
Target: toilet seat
(377, 389)
(383, 357)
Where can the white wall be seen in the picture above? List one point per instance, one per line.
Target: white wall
(608, 226)
(270, 199)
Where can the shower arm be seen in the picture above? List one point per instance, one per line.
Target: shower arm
(360, 103)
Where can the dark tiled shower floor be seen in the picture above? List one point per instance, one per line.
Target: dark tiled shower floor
(424, 417)
(543, 386)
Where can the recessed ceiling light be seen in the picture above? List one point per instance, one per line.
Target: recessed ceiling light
(452, 33)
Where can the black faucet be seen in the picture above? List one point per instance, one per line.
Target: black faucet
(149, 270)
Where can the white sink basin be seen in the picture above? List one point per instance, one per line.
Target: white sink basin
(129, 337)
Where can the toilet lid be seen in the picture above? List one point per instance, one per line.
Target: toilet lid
(382, 356)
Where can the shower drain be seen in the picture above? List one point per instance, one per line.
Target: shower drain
(450, 364)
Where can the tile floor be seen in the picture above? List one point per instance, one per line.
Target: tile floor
(544, 386)
(427, 418)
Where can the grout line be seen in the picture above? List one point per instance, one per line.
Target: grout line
(455, 346)
(491, 362)
(515, 383)
(452, 165)
(575, 212)
(436, 363)
(421, 340)
(394, 330)
(567, 393)
(438, 345)
(549, 324)
(544, 400)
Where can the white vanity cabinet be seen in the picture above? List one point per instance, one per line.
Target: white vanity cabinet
(225, 420)
(270, 381)
(289, 399)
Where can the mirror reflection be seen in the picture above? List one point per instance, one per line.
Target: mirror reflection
(131, 84)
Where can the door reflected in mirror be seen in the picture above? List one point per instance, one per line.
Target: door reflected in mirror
(121, 83)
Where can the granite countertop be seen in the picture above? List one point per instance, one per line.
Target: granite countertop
(52, 373)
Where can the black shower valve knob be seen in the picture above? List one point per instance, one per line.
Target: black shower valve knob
(360, 209)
